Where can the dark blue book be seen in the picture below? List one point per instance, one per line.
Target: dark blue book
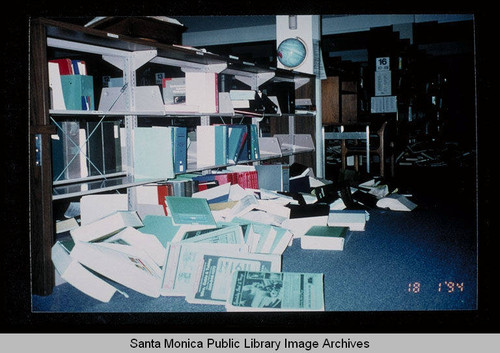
(179, 138)
(236, 136)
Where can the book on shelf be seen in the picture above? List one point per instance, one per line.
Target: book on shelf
(205, 181)
(174, 90)
(78, 92)
(103, 147)
(179, 140)
(324, 238)
(68, 150)
(355, 220)
(124, 264)
(275, 291)
(274, 176)
(211, 145)
(55, 87)
(202, 91)
(236, 138)
(70, 67)
(106, 226)
(254, 143)
(153, 153)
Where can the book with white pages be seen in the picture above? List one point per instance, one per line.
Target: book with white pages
(106, 226)
(80, 277)
(124, 264)
(182, 263)
(355, 220)
(147, 242)
(214, 274)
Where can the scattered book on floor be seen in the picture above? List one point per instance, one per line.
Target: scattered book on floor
(221, 235)
(149, 243)
(354, 219)
(324, 238)
(123, 264)
(106, 226)
(183, 261)
(190, 214)
(275, 291)
(161, 226)
(78, 276)
(214, 274)
(396, 202)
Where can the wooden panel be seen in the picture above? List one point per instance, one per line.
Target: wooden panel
(349, 108)
(330, 100)
(42, 225)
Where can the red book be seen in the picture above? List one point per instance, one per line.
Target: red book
(164, 190)
(65, 66)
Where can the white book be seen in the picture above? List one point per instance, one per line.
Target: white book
(205, 146)
(94, 207)
(396, 202)
(243, 206)
(202, 91)
(355, 220)
(147, 242)
(55, 85)
(123, 264)
(79, 277)
(106, 226)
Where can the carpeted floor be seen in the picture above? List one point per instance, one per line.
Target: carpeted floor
(404, 261)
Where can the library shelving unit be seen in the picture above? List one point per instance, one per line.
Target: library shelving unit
(110, 54)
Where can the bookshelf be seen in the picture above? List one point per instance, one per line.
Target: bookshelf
(131, 59)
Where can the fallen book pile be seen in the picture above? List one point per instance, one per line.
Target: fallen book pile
(224, 252)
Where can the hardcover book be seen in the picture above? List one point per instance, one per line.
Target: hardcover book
(324, 238)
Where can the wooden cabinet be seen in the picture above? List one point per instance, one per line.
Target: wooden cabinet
(339, 101)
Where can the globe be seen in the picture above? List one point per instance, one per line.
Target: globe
(292, 52)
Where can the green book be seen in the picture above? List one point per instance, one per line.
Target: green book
(153, 153)
(324, 238)
(190, 214)
(161, 226)
(274, 291)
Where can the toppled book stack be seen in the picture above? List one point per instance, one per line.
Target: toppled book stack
(194, 246)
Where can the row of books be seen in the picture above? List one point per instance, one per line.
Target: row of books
(70, 86)
(162, 152)
(91, 148)
(198, 92)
